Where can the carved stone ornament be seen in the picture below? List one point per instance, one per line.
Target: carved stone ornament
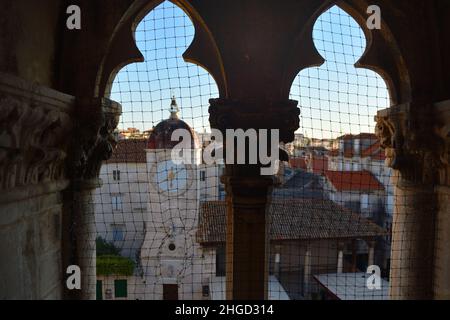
(34, 125)
(412, 146)
(94, 139)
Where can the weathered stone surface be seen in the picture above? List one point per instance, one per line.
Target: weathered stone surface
(35, 121)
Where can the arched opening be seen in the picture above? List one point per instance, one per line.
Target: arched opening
(337, 171)
(148, 206)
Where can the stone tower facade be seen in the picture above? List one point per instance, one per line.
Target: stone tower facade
(170, 252)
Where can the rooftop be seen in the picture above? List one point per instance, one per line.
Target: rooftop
(352, 286)
(129, 151)
(353, 181)
(300, 219)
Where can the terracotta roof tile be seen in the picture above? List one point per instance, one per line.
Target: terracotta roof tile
(353, 180)
(129, 151)
(302, 219)
(319, 164)
(374, 151)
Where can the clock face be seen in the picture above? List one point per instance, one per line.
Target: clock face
(171, 178)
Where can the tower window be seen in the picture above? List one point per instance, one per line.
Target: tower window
(202, 175)
(116, 175)
(116, 202)
(118, 232)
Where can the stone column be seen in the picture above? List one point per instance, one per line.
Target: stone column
(35, 122)
(340, 262)
(96, 120)
(354, 255)
(277, 262)
(340, 257)
(247, 237)
(407, 132)
(307, 273)
(249, 193)
(371, 254)
(84, 227)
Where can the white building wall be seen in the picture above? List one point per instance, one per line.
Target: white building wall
(132, 188)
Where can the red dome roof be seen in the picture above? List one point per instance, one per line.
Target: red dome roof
(161, 136)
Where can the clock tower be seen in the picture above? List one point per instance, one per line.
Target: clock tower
(169, 248)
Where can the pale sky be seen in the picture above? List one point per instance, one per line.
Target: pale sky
(335, 98)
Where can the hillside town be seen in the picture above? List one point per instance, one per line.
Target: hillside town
(330, 218)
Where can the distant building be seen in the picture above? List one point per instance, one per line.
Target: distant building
(324, 143)
(133, 133)
(148, 207)
(359, 191)
(356, 156)
(300, 141)
(307, 237)
(316, 164)
(363, 153)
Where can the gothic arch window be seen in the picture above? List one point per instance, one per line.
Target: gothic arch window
(145, 89)
(337, 98)
(160, 199)
(335, 166)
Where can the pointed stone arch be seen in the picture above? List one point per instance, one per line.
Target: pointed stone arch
(382, 53)
(122, 49)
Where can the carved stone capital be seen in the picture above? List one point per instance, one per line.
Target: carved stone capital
(94, 139)
(34, 125)
(408, 133)
(227, 114)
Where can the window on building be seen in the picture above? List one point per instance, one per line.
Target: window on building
(120, 288)
(116, 175)
(118, 231)
(116, 202)
(364, 201)
(203, 175)
(99, 290)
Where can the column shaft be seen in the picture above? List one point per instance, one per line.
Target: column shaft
(247, 238)
(412, 243)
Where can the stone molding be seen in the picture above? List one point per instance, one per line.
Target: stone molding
(94, 140)
(34, 125)
(415, 141)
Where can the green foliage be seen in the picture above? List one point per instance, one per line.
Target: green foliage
(108, 265)
(106, 248)
(109, 260)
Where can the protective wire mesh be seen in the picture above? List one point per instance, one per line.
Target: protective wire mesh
(332, 208)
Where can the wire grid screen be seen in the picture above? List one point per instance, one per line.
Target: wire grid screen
(336, 196)
(149, 209)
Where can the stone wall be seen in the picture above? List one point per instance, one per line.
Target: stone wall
(34, 123)
(30, 246)
(28, 41)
